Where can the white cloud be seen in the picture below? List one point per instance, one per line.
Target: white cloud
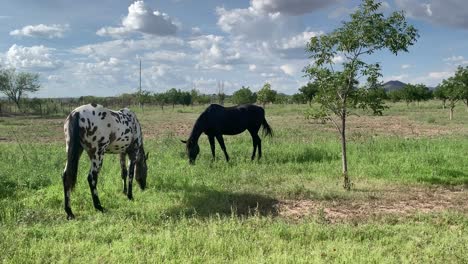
(142, 19)
(338, 59)
(213, 54)
(123, 48)
(290, 7)
(170, 56)
(454, 59)
(440, 75)
(298, 41)
(35, 57)
(406, 66)
(41, 30)
(443, 12)
(291, 69)
(252, 24)
(252, 67)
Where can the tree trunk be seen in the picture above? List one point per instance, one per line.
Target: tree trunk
(344, 159)
(443, 104)
(451, 113)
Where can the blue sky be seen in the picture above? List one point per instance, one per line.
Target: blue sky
(92, 47)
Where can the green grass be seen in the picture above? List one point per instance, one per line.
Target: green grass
(225, 212)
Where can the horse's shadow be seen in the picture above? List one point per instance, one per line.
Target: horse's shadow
(201, 201)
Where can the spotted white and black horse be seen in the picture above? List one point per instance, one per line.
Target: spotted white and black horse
(98, 130)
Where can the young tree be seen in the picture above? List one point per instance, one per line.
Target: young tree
(16, 85)
(161, 99)
(452, 91)
(440, 94)
(243, 96)
(195, 94)
(266, 94)
(309, 91)
(368, 32)
(461, 77)
(173, 96)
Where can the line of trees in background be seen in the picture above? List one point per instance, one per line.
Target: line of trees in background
(17, 85)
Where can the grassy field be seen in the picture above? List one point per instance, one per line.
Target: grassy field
(409, 202)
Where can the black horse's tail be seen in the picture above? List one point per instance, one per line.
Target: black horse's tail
(74, 151)
(266, 128)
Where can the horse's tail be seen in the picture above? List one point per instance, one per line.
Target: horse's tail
(74, 151)
(266, 128)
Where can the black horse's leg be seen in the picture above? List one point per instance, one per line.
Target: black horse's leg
(211, 139)
(255, 139)
(259, 144)
(131, 173)
(96, 163)
(124, 172)
(223, 147)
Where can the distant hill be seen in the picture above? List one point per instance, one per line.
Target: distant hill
(393, 85)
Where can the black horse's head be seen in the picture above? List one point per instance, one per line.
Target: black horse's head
(192, 149)
(141, 169)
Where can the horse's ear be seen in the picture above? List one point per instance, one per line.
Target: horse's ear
(146, 156)
(183, 141)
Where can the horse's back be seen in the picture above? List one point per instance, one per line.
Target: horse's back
(232, 120)
(104, 128)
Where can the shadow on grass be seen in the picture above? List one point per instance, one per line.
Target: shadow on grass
(305, 155)
(202, 201)
(447, 177)
(7, 188)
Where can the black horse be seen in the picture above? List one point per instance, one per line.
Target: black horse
(218, 120)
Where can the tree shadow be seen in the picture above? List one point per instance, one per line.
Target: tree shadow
(201, 201)
(447, 177)
(306, 155)
(7, 188)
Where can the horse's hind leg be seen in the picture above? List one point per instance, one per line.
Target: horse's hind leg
(96, 163)
(68, 182)
(255, 140)
(223, 147)
(124, 173)
(67, 192)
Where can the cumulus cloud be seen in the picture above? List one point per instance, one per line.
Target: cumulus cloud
(290, 7)
(444, 12)
(214, 54)
(123, 48)
(252, 67)
(169, 56)
(252, 24)
(42, 31)
(35, 57)
(142, 19)
(291, 69)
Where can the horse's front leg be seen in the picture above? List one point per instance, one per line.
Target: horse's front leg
(211, 139)
(223, 147)
(96, 163)
(124, 171)
(131, 173)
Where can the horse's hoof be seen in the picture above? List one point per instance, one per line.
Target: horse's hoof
(70, 216)
(100, 208)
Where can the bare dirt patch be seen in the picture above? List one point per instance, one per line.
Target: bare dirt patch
(398, 202)
(396, 126)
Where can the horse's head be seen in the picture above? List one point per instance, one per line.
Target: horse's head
(192, 149)
(141, 170)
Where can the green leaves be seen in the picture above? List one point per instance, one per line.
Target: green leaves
(368, 31)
